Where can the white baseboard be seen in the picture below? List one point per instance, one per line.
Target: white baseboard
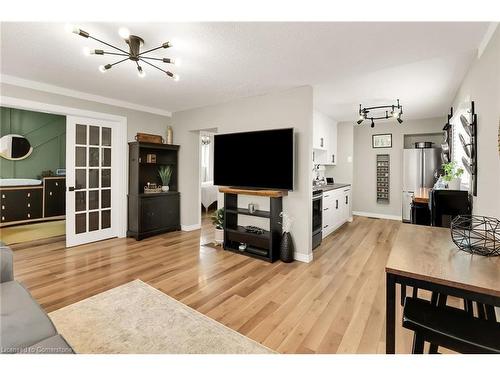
(307, 258)
(189, 228)
(378, 216)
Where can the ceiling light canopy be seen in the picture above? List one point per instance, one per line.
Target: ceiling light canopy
(396, 112)
(134, 52)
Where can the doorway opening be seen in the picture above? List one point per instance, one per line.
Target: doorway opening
(49, 198)
(32, 177)
(208, 191)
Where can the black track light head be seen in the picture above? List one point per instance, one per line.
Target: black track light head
(399, 120)
(360, 121)
(372, 124)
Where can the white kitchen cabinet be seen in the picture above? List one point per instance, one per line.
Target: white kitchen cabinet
(336, 209)
(332, 144)
(324, 139)
(346, 204)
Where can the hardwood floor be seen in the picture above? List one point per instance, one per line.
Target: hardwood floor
(335, 304)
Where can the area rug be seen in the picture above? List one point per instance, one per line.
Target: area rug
(32, 232)
(137, 318)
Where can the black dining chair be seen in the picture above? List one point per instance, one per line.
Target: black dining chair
(449, 327)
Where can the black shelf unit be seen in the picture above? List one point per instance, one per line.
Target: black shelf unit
(263, 246)
(152, 213)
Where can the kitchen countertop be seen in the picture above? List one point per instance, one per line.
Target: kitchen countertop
(421, 195)
(330, 187)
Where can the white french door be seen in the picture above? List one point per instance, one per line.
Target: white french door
(92, 175)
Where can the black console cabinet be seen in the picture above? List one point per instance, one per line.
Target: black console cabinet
(152, 213)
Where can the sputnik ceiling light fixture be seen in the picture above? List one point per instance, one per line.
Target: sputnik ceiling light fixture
(133, 54)
(395, 111)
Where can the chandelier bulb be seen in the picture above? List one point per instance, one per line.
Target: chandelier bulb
(176, 77)
(140, 72)
(87, 51)
(102, 69)
(69, 28)
(124, 32)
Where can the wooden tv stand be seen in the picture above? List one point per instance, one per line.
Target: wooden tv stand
(264, 246)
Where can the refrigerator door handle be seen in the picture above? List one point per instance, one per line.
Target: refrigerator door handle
(422, 184)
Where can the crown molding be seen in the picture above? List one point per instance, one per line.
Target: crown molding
(486, 38)
(40, 86)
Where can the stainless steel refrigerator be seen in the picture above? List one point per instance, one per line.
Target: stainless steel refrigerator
(419, 168)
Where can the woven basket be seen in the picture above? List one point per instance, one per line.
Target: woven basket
(476, 234)
(152, 190)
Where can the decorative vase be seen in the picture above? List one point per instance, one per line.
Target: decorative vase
(165, 188)
(454, 184)
(286, 248)
(170, 136)
(219, 236)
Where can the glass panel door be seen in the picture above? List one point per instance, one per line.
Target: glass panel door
(89, 178)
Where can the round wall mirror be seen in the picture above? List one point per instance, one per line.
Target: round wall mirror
(15, 147)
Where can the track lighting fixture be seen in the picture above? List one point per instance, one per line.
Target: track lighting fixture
(133, 54)
(396, 112)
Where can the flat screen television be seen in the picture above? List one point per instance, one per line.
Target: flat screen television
(259, 159)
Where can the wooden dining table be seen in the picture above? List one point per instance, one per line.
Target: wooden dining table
(426, 258)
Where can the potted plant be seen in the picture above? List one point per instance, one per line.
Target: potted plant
(165, 172)
(218, 222)
(452, 175)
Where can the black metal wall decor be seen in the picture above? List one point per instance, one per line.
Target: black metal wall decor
(396, 111)
(447, 145)
(476, 234)
(470, 148)
(133, 54)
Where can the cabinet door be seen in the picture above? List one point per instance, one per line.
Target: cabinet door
(346, 205)
(337, 209)
(55, 197)
(151, 213)
(332, 144)
(171, 214)
(159, 212)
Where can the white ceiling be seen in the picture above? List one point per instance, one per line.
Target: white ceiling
(347, 63)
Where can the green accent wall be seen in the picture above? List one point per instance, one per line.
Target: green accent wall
(46, 133)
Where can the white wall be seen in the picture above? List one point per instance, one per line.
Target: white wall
(342, 172)
(136, 121)
(291, 108)
(482, 84)
(364, 175)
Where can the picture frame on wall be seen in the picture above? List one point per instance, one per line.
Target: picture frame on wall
(382, 141)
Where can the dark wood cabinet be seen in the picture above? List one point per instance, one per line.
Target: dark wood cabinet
(152, 213)
(54, 196)
(24, 204)
(21, 204)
